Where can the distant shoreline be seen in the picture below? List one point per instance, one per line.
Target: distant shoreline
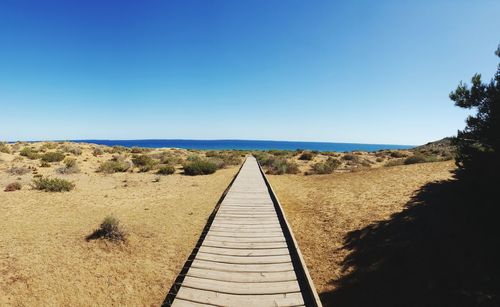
(245, 145)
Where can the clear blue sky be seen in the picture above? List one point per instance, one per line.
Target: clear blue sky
(345, 71)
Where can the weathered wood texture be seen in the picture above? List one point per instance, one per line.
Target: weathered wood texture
(244, 258)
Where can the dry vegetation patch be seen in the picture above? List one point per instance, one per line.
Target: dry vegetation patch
(322, 210)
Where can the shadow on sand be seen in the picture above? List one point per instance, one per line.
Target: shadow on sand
(442, 250)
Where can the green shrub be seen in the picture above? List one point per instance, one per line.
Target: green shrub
(114, 166)
(75, 150)
(4, 148)
(326, 167)
(30, 153)
(13, 187)
(420, 158)
(52, 184)
(110, 229)
(199, 167)
(350, 157)
(144, 162)
(306, 155)
(281, 166)
(166, 170)
(54, 156)
(397, 154)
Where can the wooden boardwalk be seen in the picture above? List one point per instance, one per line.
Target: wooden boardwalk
(247, 255)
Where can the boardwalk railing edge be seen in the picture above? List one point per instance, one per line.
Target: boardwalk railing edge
(172, 293)
(306, 284)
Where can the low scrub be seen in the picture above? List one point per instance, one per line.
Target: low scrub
(4, 148)
(18, 170)
(420, 158)
(144, 163)
(14, 186)
(110, 229)
(52, 184)
(327, 167)
(398, 154)
(199, 167)
(114, 166)
(97, 151)
(53, 156)
(394, 162)
(75, 150)
(70, 167)
(307, 156)
(29, 153)
(282, 166)
(166, 170)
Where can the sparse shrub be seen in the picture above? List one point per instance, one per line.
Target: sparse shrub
(350, 157)
(144, 162)
(110, 229)
(48, 145)
(73, 150)
(4, 148)
(52, 184)
(326, 167)
(117, 149)
(136, 150)
(281, 166)
(114, 166)
(70, 167)
(420, 158)
(53, 156)
(281, 153)
(14, 186)
(193, 158)
(18, 170)
(379, 159)
(199, 167)
(97, 151)
(29, 153)
(306, 155)
(398, 154)
(166, 170)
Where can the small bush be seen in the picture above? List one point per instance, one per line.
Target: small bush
(4, 148)
(18, 170)
(114, 166)
(30, 153)
(70, 167)
(379, 159)
(199, 167)
(397, 154)
(326, 167)
(13, 187)
(97, 152)
(144, 162)
(52, 184)
(75, 150)
(282, 166)
(166, 170)
(350, 157)
(136, 150)
(420, 158)
(110, 229)
(54, 156)
(306, 155)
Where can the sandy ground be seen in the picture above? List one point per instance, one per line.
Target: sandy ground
(322, 209)
(46, 261)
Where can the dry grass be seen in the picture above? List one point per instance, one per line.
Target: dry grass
(322, 210)
(46, 261)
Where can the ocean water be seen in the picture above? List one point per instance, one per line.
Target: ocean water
(246, 145)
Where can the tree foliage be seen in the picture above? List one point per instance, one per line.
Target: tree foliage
(478, 144)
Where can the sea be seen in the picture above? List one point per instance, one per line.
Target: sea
(247, 145)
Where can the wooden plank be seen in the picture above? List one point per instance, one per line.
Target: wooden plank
(244, 252)
(223, 299)
(242, 277)
(244, 260)
(264, 245)
(244, 240)
(238, 234)
(277, 287)
(231, 267)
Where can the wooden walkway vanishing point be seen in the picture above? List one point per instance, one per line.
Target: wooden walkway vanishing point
(247, 255)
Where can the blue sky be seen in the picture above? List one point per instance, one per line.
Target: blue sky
(342, 71)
